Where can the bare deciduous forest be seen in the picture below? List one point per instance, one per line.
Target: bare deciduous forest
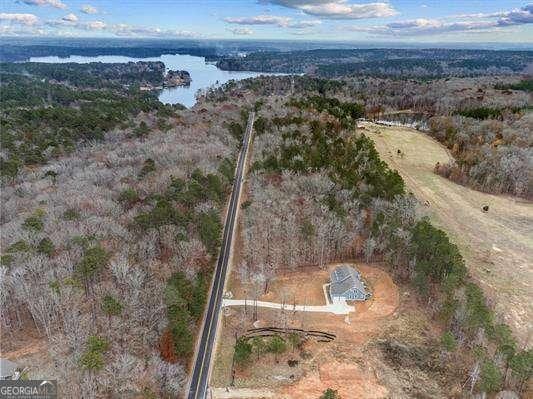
(108, 242)
(484, 121)
(99, 247)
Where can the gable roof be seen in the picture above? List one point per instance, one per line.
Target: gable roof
(343, 279)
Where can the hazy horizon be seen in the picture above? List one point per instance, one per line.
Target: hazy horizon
(300, 43)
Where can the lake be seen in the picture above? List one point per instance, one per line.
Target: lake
(203, 75)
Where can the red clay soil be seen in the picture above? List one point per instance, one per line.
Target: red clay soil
(360, 326)
(349, 379)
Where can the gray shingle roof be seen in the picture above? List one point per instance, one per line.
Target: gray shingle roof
(7, 368)
(343, 279)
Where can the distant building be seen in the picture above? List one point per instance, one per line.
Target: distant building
(346, 284)
(8, 370)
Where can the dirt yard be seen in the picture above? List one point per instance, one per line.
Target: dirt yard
(497, 245)
(306, 288)
(322, 366)
(289, 288)
(351, 380)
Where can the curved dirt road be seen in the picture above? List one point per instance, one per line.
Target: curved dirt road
(497, 245)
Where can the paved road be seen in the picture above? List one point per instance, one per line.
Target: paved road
(200, 375)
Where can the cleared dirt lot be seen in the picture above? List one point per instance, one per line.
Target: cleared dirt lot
(354, 363)
(497, 245)
(289, 288)
(351, 380)
(306, 287)
(329, 364)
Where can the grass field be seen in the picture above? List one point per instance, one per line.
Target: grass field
(497, 245)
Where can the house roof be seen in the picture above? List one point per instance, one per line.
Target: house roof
(343, 279)
(7, 368)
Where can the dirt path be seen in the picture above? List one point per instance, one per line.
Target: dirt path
(497, 246)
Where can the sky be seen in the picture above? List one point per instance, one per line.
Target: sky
(469, 21)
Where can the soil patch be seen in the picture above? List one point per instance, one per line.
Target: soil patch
(351, 380)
